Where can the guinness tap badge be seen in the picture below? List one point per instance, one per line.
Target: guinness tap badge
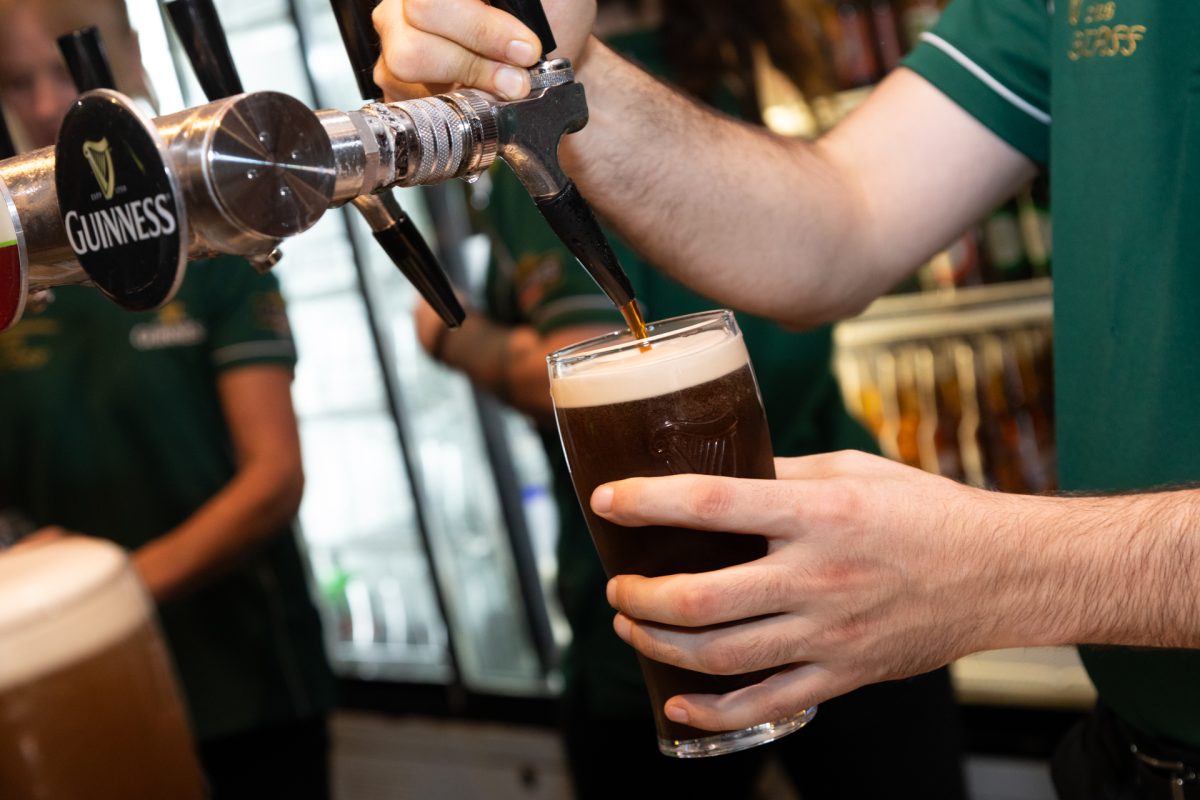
(131, 236)
(99, 157)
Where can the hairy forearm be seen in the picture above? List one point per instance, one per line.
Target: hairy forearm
(1104, 570)
(800, 232)
(257, 504)
(648, 153)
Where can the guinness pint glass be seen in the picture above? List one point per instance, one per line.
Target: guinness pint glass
(89, 707)
(688, 403)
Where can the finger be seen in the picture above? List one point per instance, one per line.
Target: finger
(394, 89)
(827, 465)
(424, 58)
(748, 646)
(493, 34)
(707, 598)
(704, 502)
(780, 697)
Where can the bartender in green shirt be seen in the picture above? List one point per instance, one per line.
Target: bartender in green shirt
(878, 570)
(538, 299)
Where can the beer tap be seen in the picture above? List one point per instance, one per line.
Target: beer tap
(459, 134)
(204, 41)
(393, 229)
(121, 202)
(86, 60)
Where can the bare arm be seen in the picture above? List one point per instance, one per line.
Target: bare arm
(879, 571)
(255, 505)
(508, 361)
(800, 232)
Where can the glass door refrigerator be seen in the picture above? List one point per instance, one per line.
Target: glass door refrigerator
(427, 519)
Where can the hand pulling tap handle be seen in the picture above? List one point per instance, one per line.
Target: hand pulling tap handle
(530, 12)
(203, 39)
(392, 228)
(86, 60)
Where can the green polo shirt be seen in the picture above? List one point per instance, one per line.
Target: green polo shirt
(1120, 80)
(110, 424)
(535, 280)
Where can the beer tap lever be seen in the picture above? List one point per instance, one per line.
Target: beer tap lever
(203, 39)
(86, 60)
(7, 148)
(531, 13)
(361, 42)
(392, 228)
(530, 131)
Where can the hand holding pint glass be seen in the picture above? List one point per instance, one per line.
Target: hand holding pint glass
(687, 403)
(89, 707)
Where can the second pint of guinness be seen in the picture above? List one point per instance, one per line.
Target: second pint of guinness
(687, 403)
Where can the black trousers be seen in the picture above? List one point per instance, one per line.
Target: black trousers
(1097, 761)
(290, 760)
(900, 738)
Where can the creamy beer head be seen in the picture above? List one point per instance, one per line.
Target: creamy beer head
(61, 602)
(684, 352)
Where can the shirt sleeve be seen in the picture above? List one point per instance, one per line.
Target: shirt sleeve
(246, 315)
(992, 58)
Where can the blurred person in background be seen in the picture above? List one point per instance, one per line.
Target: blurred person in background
(539, 299)
(172, 433)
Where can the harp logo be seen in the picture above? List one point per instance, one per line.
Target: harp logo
(707, 447)
(99, 158)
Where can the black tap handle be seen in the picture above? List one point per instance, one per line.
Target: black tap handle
(572, 219)
(203, 39)
(361, 40)
(533, 15)
(7, 148)
(86, 60)
(405, 246)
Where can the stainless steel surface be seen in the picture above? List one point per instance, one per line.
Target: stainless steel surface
(30, 181)
(458, 135)
(531, 129)
(255, 168)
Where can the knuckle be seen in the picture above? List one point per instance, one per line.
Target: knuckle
(708, 500)
(695, 605)
(849, 461)
(381, 15)
(400, 61)
(478, 70)
(647, 645)
(841, 503)
(418, 12)
(722, 658)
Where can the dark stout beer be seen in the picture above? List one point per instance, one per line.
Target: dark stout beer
(689, 404)
(89, 707)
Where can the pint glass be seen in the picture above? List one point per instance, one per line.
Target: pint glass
(89, 707)
(688, 403)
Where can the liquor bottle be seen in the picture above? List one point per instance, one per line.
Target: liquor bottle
(1033, 203)
(848, 31)
(916, 17)
(1004, 246)
(888, 46)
